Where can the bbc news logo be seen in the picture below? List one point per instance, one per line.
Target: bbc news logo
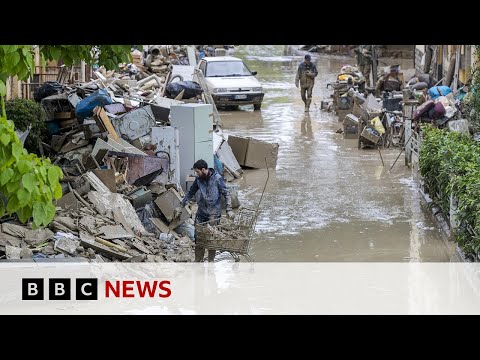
(87, 289)
(59, 289)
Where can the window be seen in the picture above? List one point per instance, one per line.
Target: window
(227, 68)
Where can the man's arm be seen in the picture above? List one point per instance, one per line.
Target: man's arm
(314, 69)
(224, 191)
(191, 192)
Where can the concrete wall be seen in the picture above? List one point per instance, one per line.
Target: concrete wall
(419, 51)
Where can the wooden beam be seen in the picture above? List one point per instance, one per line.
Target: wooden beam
(106, 121)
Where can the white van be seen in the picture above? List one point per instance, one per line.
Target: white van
(231, 82)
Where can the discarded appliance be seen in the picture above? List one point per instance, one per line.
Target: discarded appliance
(134, 124)
(142, 169)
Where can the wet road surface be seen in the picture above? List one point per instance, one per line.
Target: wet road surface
(326, 200)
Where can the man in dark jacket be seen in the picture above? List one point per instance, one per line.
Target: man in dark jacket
(306, 73)
(208, 188)
(389, 82)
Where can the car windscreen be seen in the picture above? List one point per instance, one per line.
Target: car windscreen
(226, 68)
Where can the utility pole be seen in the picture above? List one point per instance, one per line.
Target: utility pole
(374, 65)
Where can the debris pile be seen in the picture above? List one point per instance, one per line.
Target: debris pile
(118, 149)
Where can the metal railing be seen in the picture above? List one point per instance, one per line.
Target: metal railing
(61, 74)
(208, 96)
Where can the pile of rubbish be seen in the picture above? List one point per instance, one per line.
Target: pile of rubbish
(117, 144)
(104, 226)
(350, 74)
(436, 104)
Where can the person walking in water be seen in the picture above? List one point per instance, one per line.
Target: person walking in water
(306, 73)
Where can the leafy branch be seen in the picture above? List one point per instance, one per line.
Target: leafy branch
(29, 184)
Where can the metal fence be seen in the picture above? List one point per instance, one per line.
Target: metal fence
(61, 74)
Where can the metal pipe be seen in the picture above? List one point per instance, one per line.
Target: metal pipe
(144, 81)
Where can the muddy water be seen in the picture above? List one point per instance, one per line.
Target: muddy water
(326, 200)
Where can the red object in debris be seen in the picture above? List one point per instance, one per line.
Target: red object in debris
(140, 166)
(423, 109)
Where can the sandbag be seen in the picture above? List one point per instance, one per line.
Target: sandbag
(192, 89)
(85, 107)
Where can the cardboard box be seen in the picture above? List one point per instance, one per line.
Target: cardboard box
(257, 150)
(239, 147)
(252, 152)
(167, 203)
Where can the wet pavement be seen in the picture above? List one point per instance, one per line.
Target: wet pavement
(326, 200)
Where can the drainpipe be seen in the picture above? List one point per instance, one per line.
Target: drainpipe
(82, 71)
(457, 66)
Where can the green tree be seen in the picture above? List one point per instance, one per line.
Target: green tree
(25, 113)
(29, 184)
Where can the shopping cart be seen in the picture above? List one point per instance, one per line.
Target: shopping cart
(226, 235)
(231, 235)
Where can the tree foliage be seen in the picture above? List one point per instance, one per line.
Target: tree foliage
(29, 184)
(23, 113)
(19, 60)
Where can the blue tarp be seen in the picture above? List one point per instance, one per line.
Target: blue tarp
(85, 107)
(438, 91)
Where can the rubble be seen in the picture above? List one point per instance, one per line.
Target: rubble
(121, 189)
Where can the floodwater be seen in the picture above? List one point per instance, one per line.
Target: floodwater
(326, 200)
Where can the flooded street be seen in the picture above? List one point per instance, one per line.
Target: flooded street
(326, 200)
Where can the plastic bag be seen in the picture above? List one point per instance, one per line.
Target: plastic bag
(191, 88)
(85, 107)
(47, 89)
(437, 91)
(377, 123)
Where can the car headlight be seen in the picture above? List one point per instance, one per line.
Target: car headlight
(257, 89)
(219, 90)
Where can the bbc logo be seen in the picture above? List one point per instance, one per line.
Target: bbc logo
(59, 289)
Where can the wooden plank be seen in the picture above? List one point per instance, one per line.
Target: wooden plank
(160, 225)
(110, 244)
(106, 122)
(102, 249)
(140, 247)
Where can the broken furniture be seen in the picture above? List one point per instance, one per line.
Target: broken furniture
(142, 169)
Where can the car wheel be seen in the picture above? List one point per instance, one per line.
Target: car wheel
(257, 106)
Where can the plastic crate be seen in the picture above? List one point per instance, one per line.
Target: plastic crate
(351, 120)
(392, 104)
(369, 136)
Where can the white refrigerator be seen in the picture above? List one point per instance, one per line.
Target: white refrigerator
(194, 123)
